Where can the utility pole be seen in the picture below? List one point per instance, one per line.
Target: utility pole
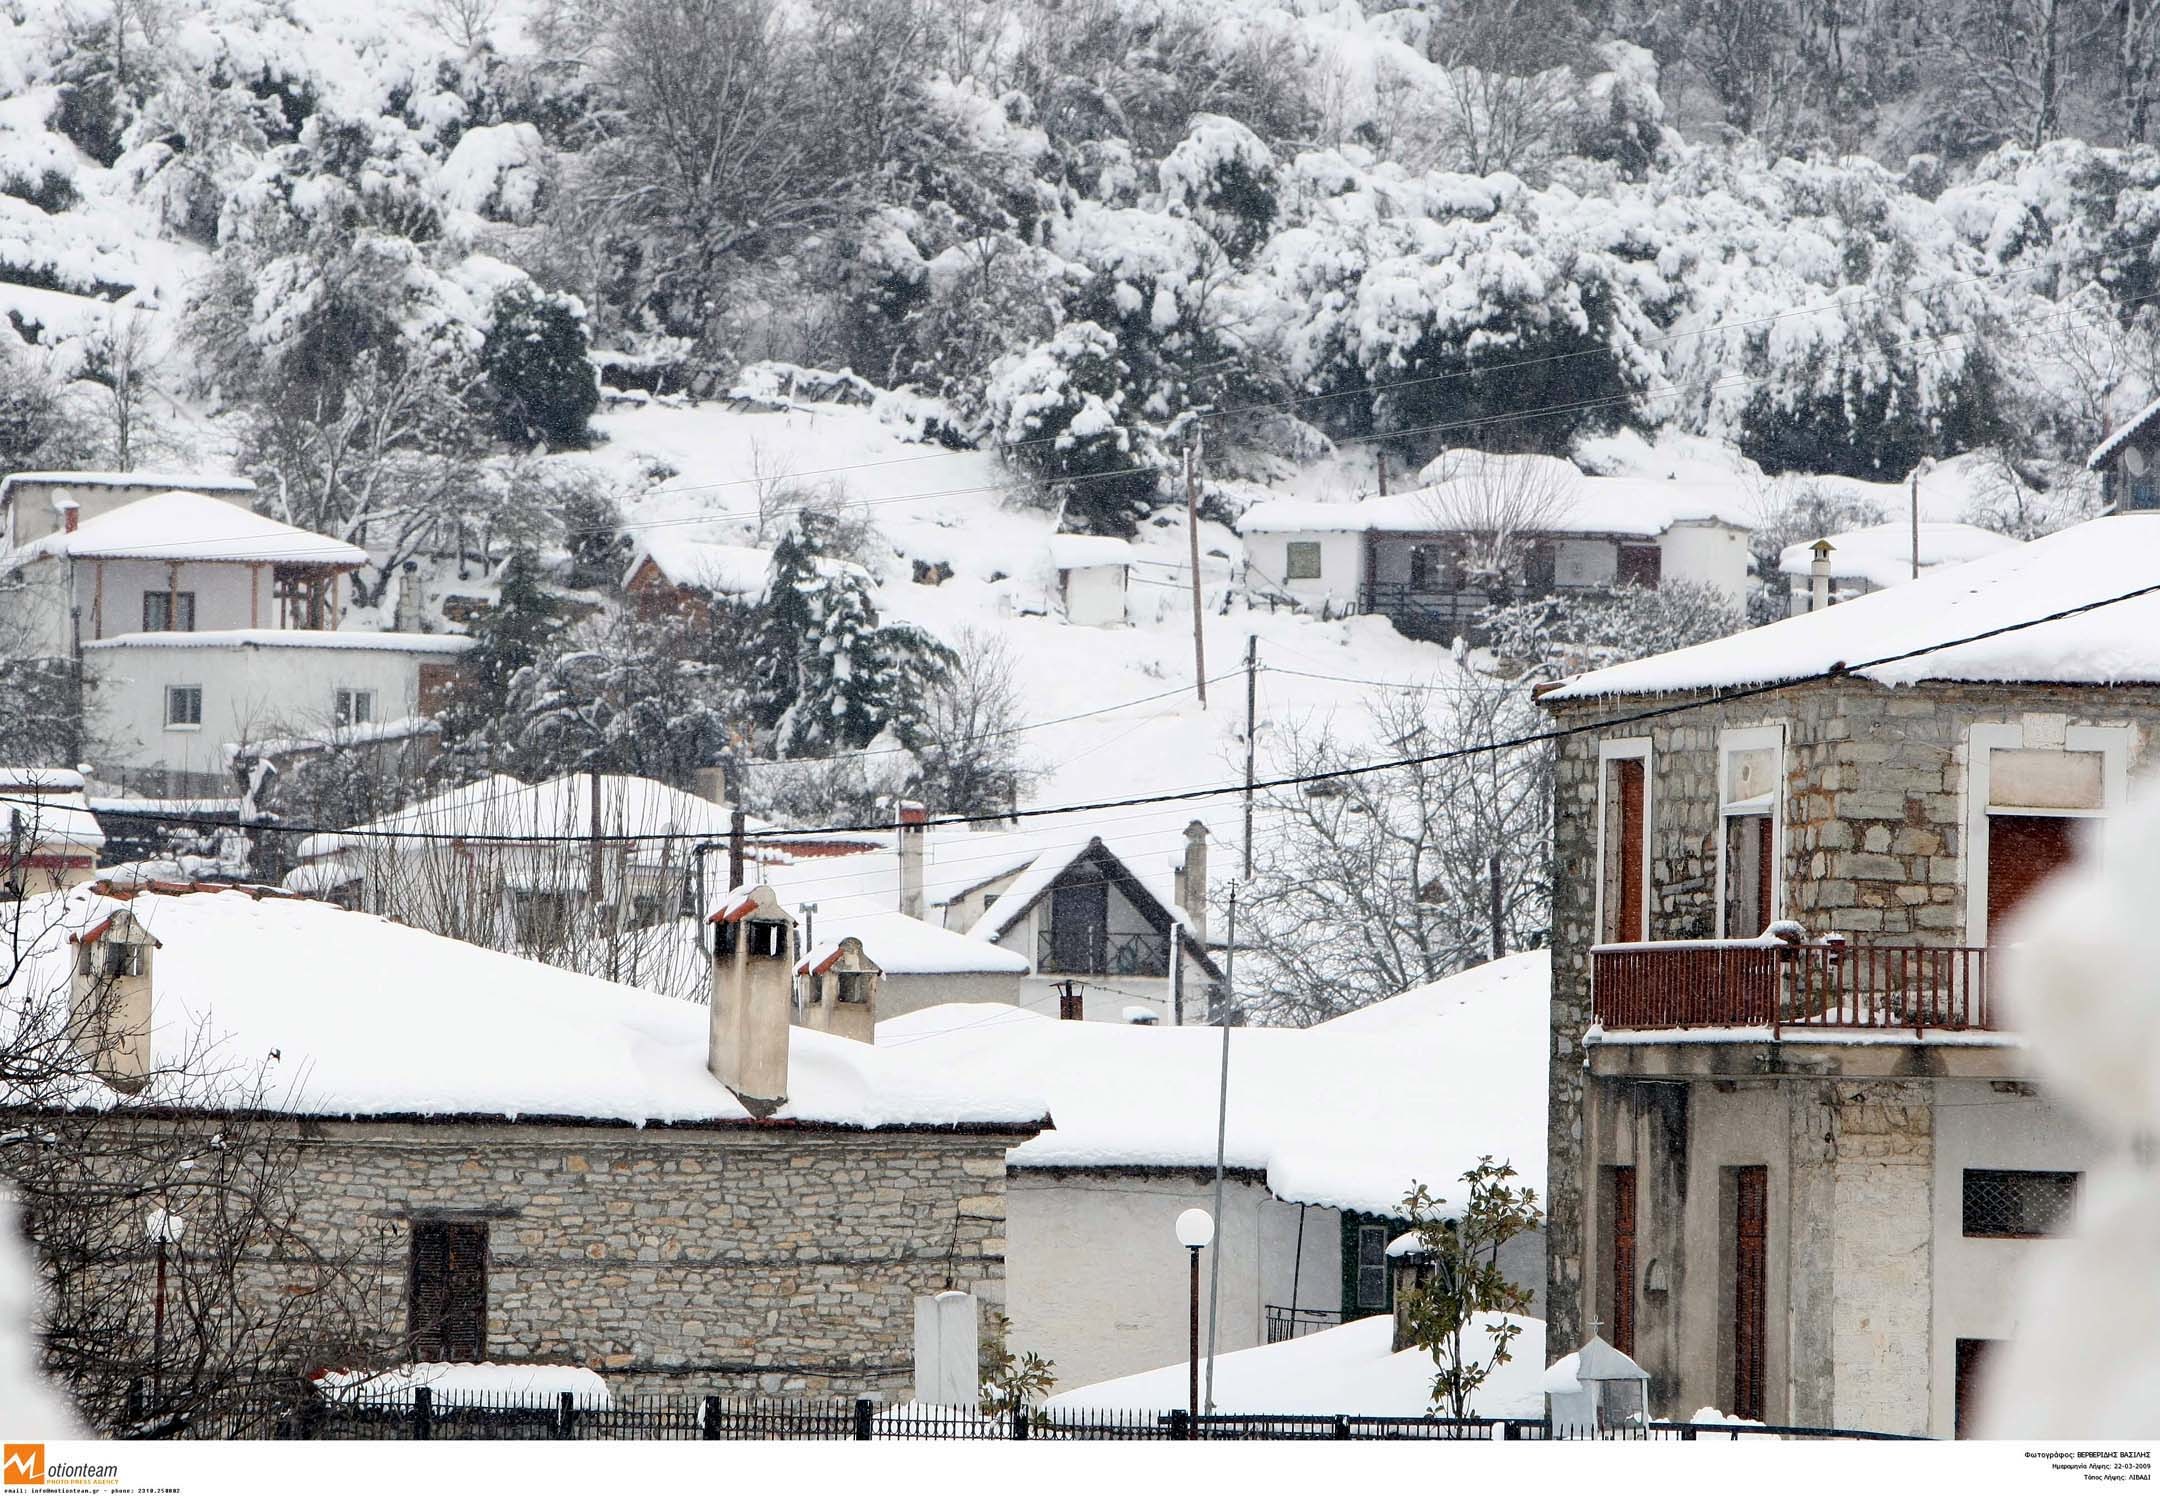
(1382, 455)
(1499, 931)
(596, 876)
(1916, 519)
(1222, 1130)
(1192, 529)
(1252, 695)
(736, 851)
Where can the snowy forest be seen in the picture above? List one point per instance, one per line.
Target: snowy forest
(398, 263)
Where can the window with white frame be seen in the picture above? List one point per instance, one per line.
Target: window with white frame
(1623, 896)
(183, 706)
(2030, 785)
(1751, 825)
(353, 707)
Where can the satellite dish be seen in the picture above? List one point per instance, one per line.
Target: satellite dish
(2134, 460)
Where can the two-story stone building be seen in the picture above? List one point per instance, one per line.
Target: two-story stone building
(1797, 1151)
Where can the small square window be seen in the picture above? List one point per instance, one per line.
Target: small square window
(1301, 561)
(2017, 1202)
(183, 706)
(353, 708)
(854, 986)
(168, 612)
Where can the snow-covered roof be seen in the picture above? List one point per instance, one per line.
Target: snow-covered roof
(1625, 506)
(2086, 563)
(189, 482)
(451, 1383)
(730, 570)
(1347, 1114)
(1350, 1368)
(181, 525)
(902, 945)
(1881, 555)
(374, 1018)
(52, 809)
(500, 807)
(1078, 552)
(2121, 436)
(444, 644)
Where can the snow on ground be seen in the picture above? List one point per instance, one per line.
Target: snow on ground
(452, 1383)
(1443, 1074)
(1346, 1369)
(327, 1001)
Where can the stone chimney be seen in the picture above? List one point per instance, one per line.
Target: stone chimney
(840, 992)
(70, 511)
(109, 999)
(710, 783)
(913, 829)
(408, 619)
(1192, 880)
(1819, 576)
(752, 997)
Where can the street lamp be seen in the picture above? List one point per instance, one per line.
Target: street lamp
(164, 1230)
(1195, 1229)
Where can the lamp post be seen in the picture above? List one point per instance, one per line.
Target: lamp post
(164, 1230)
(1195, 1229)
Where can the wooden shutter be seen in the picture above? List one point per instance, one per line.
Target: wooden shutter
(2022, 852)
(1627, 924)
(1623, 1259)
(1751, 1202)
(447, 1291)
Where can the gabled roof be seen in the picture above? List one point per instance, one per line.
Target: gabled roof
(1041, 875)
(2129, 431)
(729, 570)
(183, 526)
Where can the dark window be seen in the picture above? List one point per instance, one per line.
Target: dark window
(2022, 852)
(168, 612)
(2144, 492)
(854, 986)
(183, 706)
(541, 918)
(1620, 1180)
(1750, 1287)
(447, 1288)
(2017, 1202)
(1640, 565)
(1971, 1358)
(1372, 1271)
(1750, 875)
(1301, 561)
(1079, 924)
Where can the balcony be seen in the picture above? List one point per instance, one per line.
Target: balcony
(1100, 953)
(1779, 985)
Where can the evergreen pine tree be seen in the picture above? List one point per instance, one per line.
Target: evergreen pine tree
(512, 636)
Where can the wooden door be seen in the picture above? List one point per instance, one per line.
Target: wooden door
(2023, 851)
(1623, 1259)
(1751, 1200)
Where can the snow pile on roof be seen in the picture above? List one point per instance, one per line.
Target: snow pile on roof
(52, 810)
(185, 526)
(1078, 552)
(323, 639)
(372, 1018)
(730, 570)
(451, 1383)
(904, 946)
(2114, 645)
(187, 482)
(1346, 1369)
(500, 807)
(1626, 505)
(1881, 555)
(1346, 1114)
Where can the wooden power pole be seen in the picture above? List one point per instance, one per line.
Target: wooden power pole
(1252, 697)
(1192, 529)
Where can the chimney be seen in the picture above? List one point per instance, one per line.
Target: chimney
(1192, 884)
(840, 992)
(752, 997)
(710, 783)
(408, 620)
(913, 828)
(70, 511)
(1819, 576)
(109, 999)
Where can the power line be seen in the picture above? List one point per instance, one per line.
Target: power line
(1523, 740)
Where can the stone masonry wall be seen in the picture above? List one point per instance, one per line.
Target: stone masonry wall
(1873, 804)
(751, 1259)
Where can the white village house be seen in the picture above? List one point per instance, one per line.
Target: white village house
(1403, 554)
(200, 625)
(1328, 1129)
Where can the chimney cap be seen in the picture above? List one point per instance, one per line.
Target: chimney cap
(1822, 549)
(750, 899)
(913, 813)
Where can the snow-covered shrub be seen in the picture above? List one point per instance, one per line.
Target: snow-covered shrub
(1059, 409)
(1223, 175)
(540, 378)
(1565, 633)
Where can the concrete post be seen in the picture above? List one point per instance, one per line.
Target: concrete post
(948, 1329)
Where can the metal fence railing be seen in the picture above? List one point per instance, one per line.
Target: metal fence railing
(419, 1414)
(1286, 1323)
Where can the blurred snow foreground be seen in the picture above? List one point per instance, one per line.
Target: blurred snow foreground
(2083, 976)
(33, 1410)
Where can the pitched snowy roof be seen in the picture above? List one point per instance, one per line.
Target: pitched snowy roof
(185, 526)
(373, 1018)
(442, 644)
(1347, 1114)
(902, 945)
(2122, 436)
(2114, 645)
(500, 807)
(1350, 1368)
(1881, 555)
(191, 482)
(1628, 507)
(731, 570)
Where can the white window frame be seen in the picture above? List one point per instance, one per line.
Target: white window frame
(1610, 749)
(1732, 740)
(170, 724)
(348, 698)
(2113, 744)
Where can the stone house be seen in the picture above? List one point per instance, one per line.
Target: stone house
(565, 1170)
(1797, 1151)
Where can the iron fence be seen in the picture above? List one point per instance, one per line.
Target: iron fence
(1286, 1323)
(419, 1413)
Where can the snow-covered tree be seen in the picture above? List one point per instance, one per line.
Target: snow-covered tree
(1561, 634)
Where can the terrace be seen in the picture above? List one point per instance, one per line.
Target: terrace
(1779, 984)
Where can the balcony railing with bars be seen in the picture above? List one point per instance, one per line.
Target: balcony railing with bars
(1286, 1323)
(1774, 984)
(1142, 955)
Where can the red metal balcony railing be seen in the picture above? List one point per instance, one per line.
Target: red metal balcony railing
(1693, 984)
